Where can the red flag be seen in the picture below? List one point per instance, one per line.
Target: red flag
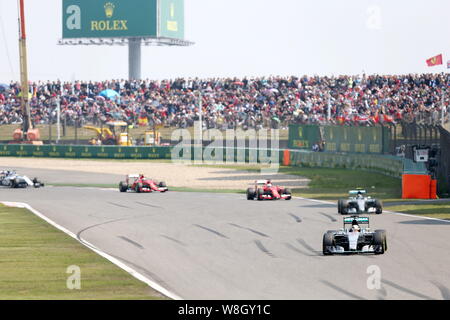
(434, 61)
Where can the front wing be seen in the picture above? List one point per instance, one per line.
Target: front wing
(271, 197)
(340, 250)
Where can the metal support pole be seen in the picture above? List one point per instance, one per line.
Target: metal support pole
(134, 59)
(58, 119)
(442, 108)
(200, 110)
(329, 108)
(49, 126)
(76, 130)
(25, 106)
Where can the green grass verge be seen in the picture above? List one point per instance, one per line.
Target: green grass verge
(435, 210)
(34, 257)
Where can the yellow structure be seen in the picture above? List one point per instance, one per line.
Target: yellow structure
(116, 133)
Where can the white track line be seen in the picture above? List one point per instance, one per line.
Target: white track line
(117, 262)
(386, 211)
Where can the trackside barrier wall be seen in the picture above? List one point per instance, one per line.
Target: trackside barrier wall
(143, 153)
(87, 152)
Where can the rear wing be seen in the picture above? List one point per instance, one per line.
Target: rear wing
(260, 182)
(357, 219)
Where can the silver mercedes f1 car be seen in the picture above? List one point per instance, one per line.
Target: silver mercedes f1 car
(358, 202)
(354, 237)
(9, 178)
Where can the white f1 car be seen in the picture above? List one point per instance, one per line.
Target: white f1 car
(354, 238)
(12, 179)
(358, 202)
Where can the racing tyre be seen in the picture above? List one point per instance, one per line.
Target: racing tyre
(328, 241)
(383, 232)
(250, 194)
(379, 241)
(123, 187)
(138, 187)
(340, 206)
(344, 207)
(162, 184)
(378, 207)
(259, 194)
(288, 192)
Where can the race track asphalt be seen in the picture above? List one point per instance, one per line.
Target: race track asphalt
(221, 246)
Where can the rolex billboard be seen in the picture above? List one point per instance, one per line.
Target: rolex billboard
(123, 18)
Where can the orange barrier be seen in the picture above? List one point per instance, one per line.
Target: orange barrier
(433, 189)
(286, 157)
(416, 186)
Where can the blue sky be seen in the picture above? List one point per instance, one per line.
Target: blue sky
(246, 38)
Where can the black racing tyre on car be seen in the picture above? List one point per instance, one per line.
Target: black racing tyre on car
(328, 241)
(339, 204)
(344, 207)
(378, 207)
(259, 194)
(162, 184)
(138, 187)
(379, 241)
(123, 186)
(251, 194)
(37, 183)
(288, 192)
(383, 232)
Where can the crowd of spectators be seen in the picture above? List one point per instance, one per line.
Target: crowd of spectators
(229, 103)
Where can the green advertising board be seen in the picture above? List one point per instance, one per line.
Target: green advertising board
(171, 19)
(122, 18)
(356, 139)
(86, 152)
(373, 140)
(303, 136)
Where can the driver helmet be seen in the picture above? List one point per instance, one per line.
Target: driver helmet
(269, 183)
(141, 176)
(359, 194)
(356, 227)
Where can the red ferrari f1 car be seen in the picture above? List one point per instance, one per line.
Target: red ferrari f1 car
(264, 190)
(139, 183)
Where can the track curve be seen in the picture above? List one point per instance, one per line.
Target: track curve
(221, 246)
